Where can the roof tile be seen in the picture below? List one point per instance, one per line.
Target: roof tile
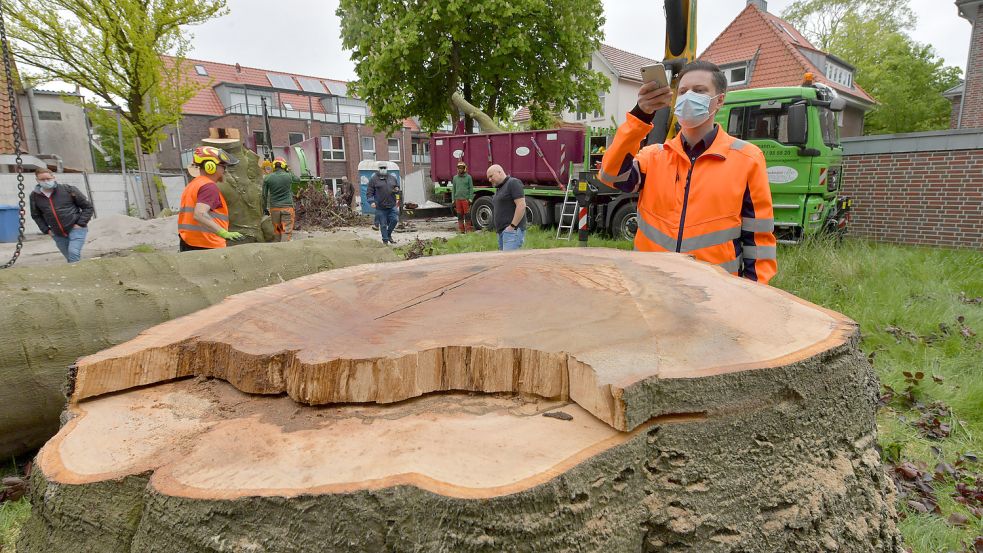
(626, 65)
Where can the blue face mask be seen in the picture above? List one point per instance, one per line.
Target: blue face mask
(48, 184)
(693, 109)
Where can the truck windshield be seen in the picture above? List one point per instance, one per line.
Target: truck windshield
(830, 127)
(754, 123)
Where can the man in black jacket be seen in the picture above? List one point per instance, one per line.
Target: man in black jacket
(382, 195)
(62, 212)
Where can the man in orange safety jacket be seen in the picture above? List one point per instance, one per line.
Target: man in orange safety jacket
(703, 193)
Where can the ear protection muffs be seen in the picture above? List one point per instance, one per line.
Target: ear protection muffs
(209, 167)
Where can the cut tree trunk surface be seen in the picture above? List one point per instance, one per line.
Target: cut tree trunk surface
(663, 406)
(598, 326)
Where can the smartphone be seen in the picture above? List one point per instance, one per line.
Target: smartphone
(655, 72)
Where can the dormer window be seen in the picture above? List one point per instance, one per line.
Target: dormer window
(736, 74)
(200, 69)
(839, 74)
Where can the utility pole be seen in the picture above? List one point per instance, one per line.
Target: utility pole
(122, 157)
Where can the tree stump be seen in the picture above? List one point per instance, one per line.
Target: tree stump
(566, 400)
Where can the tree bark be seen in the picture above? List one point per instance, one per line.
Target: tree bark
(486, 123)
(57, 313)
(683, 424)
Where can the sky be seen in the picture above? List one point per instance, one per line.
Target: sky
(305, 39)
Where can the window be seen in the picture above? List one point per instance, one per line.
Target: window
(421, 152)
(49, 115)
(368, 148)
(333, 148)
(599, 114)
(736, 75)
(295, 137)
(200, 69)
(332, 187)
(754, 123)
(288, 106)
(394, 149)
(262, 145)
(581, 114)
(839, 74)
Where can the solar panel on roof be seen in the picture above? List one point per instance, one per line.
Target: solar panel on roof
(281, 81)
(338, 89)
(311, 85)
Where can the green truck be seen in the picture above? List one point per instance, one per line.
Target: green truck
(797, 129)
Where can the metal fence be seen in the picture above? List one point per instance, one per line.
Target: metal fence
(110, 193)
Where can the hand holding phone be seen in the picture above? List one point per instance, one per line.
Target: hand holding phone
(657, 73)
(655, 94)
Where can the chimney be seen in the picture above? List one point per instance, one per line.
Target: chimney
(761, 4)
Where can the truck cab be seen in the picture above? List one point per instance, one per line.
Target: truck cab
(797, 130)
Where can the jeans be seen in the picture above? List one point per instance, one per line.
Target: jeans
(388, 218)
(71, 245)
(508, 240)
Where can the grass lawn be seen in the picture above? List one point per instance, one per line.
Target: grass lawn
(908, 302)
(12, 514)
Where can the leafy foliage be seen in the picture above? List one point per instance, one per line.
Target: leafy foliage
(411, 56)
(104, 127)
(906, 77)
(113, 48)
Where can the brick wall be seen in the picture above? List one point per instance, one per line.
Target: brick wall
(973, 111)
(954, 116)
(195, 127)
(930, 197)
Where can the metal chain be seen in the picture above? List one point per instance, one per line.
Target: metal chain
(15, 123)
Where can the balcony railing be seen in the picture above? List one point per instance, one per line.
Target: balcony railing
(421, 159)
(255, 109)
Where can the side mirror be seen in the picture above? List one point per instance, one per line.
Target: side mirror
(798, 125)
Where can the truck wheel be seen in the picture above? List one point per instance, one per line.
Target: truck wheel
(536, 213)
(624, 224)
(482, 215)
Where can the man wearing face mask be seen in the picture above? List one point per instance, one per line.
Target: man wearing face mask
(382, 196)
(703, 193)
(62, 212)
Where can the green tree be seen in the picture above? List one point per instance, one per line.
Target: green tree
(114, 49)
(104, 127)
(905, 77)
(821, 21)
(412, 56)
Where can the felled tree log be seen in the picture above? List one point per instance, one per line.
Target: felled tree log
(54, 314)
(590, 400)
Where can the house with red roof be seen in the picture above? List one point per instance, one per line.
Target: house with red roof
(759, 49)
(299, 107)
(624, 71)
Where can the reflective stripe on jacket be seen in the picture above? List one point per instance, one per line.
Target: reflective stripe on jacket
(717, 209)
(191, 231)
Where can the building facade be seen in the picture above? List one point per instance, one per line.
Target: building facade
(300, 107)
(624, 71)
(967, 97)
(759, 50)
(56, 129)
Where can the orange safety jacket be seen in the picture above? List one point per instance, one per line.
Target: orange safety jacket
(191, 231)
(716, 208)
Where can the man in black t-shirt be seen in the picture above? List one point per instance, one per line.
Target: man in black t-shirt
(509, 207)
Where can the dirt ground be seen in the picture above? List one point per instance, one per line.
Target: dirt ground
(118, 235)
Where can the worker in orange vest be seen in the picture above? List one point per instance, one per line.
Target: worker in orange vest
(703, 193)
(203, 221)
